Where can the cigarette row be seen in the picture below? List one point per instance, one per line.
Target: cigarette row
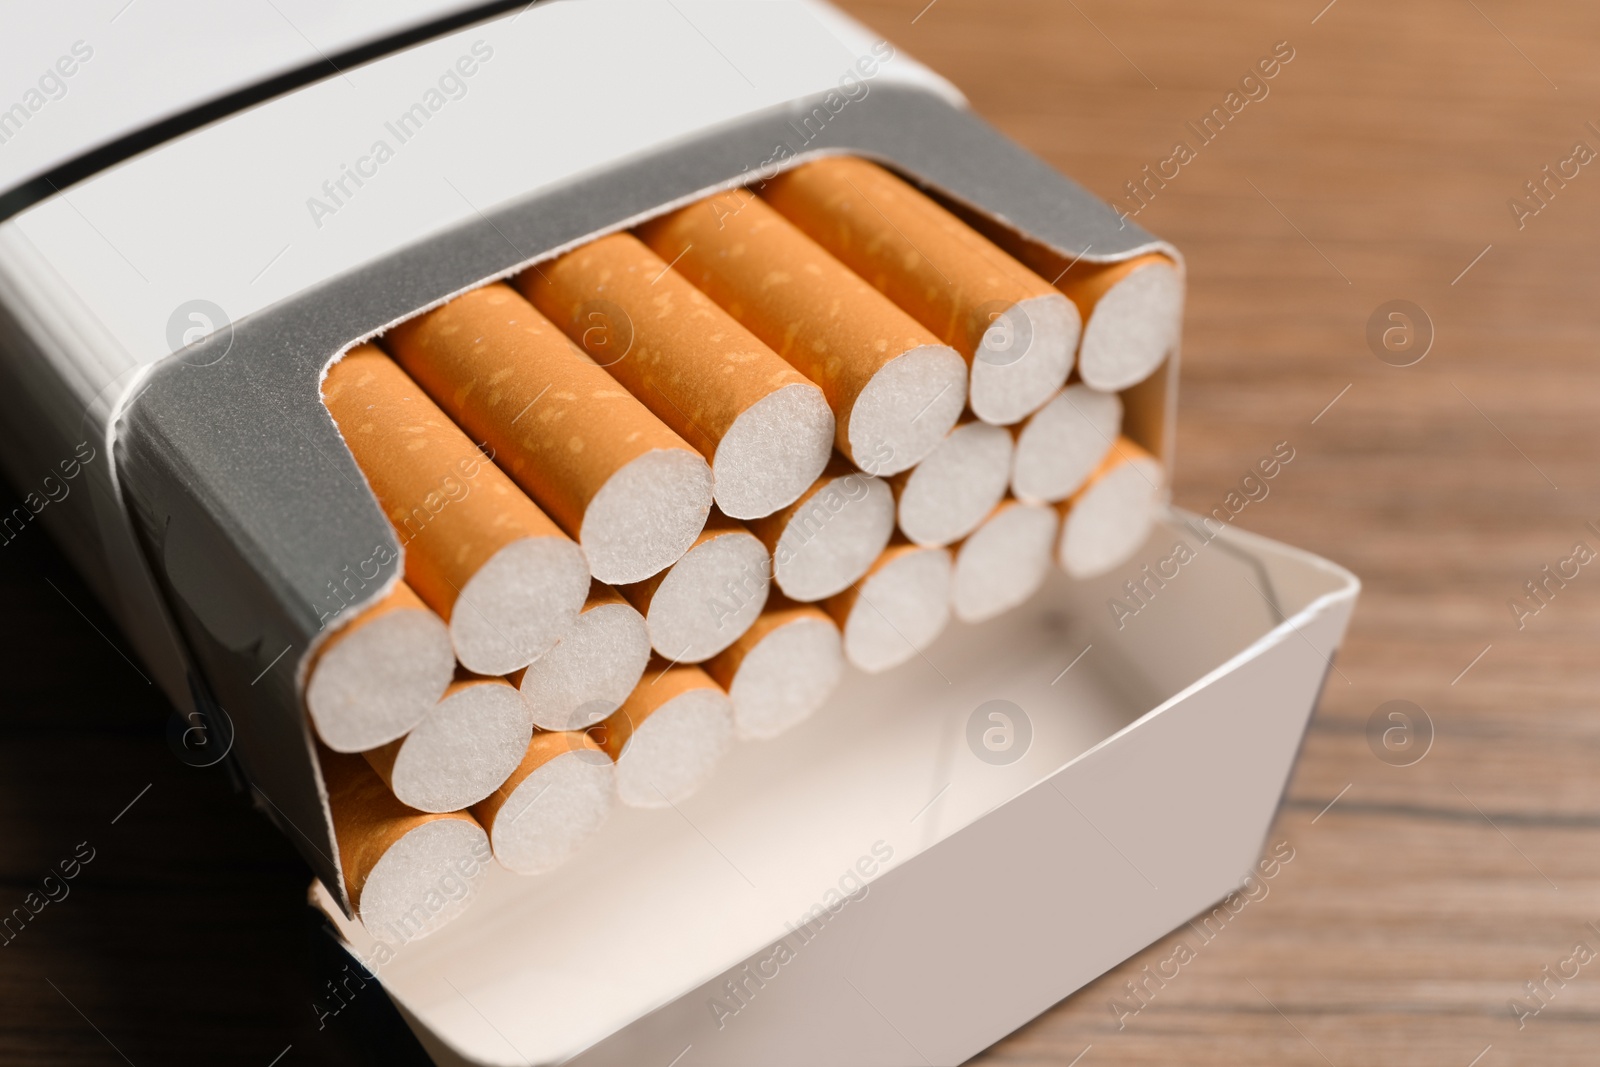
(679, 721)
(402, 865)
(663, 741)
(998, 559)
(465, 729)
(766, 345)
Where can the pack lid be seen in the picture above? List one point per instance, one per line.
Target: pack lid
(85, 84)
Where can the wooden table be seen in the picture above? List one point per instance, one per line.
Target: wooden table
(1421, 898)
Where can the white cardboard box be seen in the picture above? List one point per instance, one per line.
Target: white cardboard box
(226, 527)
(1155, 767)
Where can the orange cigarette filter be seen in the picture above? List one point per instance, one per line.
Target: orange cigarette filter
(1106, 521)
(764, 427)
(946, 496)
(781, 670)
(696, 607)
(374, 679)
(1004, 561)
(778, 612)
(461, 751)
(407, 872)
(1016, 332)
(477, 550)
(1132, 312)
(557, 797)
(668, 735)
(897, 609)
(631, 491)
(1063, 442)
(592, 669)
(895, 388)
(830, 536)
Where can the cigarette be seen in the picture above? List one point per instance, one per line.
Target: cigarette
(781, 670)
(698, 606)
(1004, 562)
(408, 872)
(592, 669)
(632, 492)
(461, 750)
(1104, 523)
(830, 536)
(764, 427)
(377, 677)
(1063, 442)
(898, 609)
(556, 799)
(503, 576)
(946, 496)
(668, 735)
(1016, 332)
(1132, 314)
(894, 387)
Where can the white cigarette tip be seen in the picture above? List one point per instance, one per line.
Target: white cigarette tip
(424, 880)
(590, 671)
(553, 811)
(463, 749)
(1004, 562)
(834, 537)
(1111, 520)
(773, 452)
(899, 610)
(378, 682)
(673, 751)
(710, 597)
(1024, 357)
(907, 408)
(1132, 328)
(519, 604)
(1064, 442)
(646, 515)
(957, 486)
(786, 678)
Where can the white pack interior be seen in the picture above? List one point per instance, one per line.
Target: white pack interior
(518, 604)
(1005, 561)
(542, 968)
(646, 515)
(833, 537)
(1025, 356)
(1111, 517)
(773, 452)
(955, 488)
(710, 597)
(900, 609)
(1062, 444)
(1132, 328)
(463, 749)
(380, 680)
(553, 811)
(784, 679)
(675, 749)
(907, 408)
(590, 671)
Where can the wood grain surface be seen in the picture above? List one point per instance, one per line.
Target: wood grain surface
(1421, 899)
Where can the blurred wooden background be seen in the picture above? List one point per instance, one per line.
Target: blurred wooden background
(1378, 168)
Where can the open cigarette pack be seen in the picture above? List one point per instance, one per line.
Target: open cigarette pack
(661, 504)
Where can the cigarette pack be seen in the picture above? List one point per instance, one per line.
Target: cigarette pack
(936, 857)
